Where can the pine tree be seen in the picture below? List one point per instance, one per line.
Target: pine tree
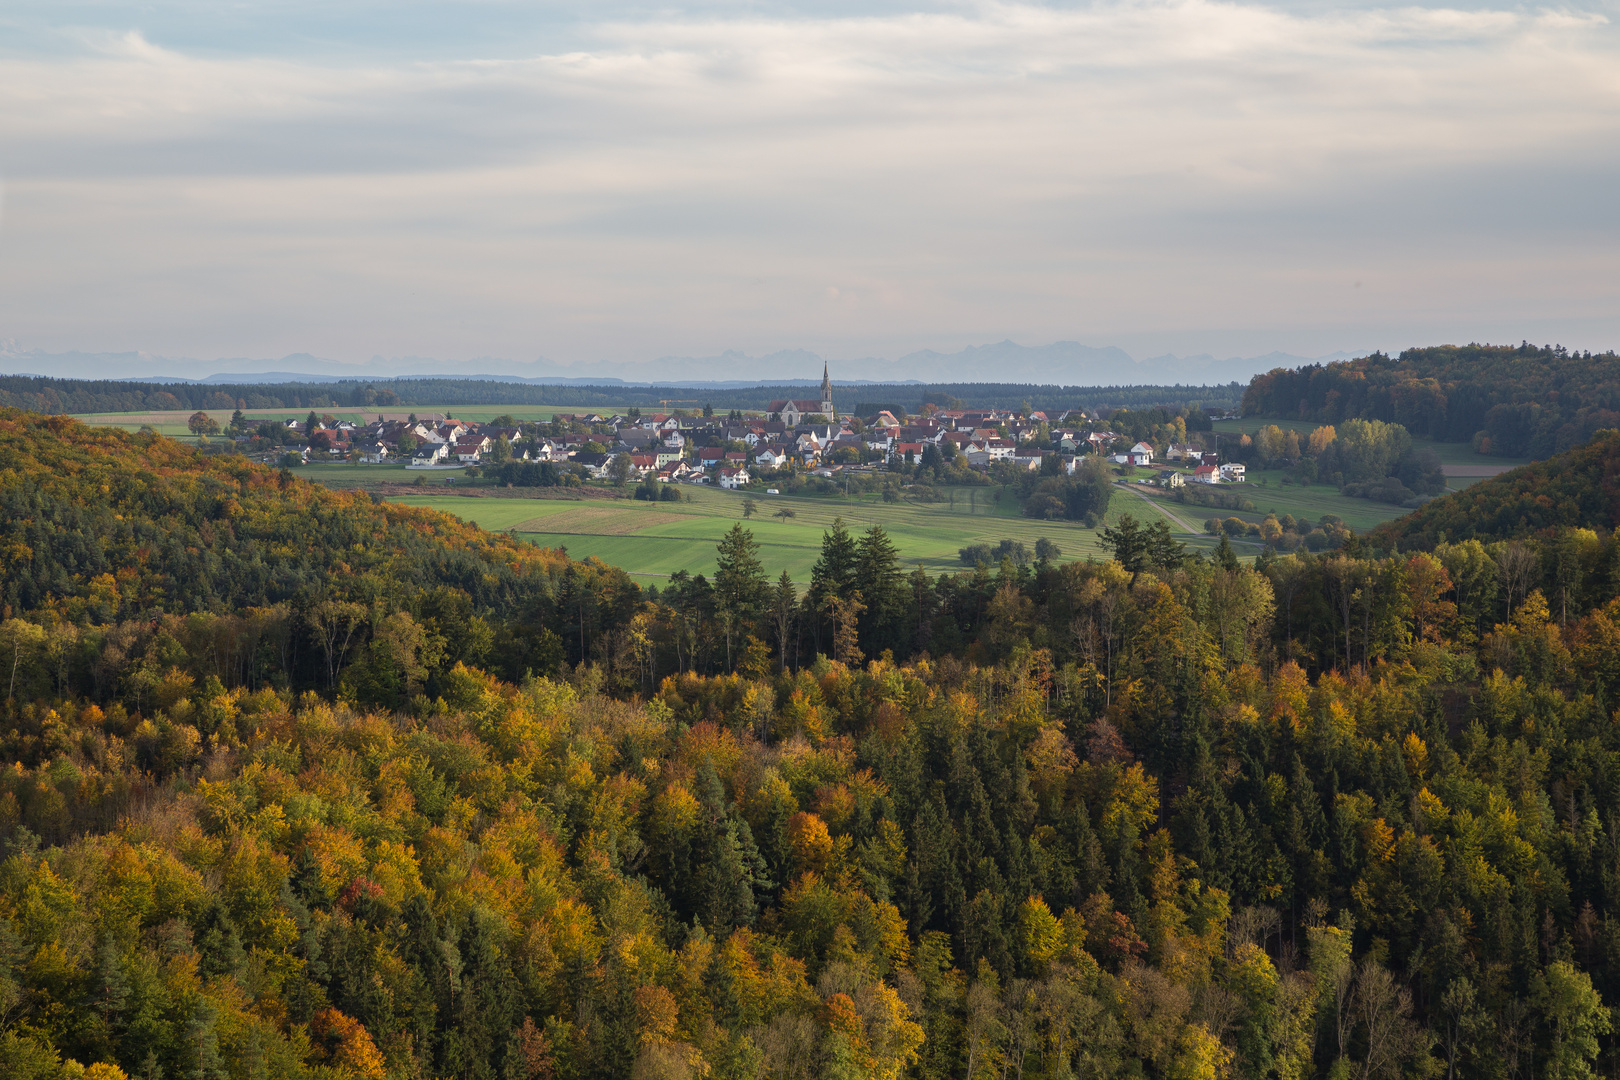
(784, 608)
(882, 589)
(834, 572)
(740, 586)
(1129, 543)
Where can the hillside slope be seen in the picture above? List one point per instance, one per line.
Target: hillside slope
(1510, 401)
(143, 543)
(1579, 488)
(137, 525)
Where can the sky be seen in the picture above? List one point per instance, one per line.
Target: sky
(609, 183)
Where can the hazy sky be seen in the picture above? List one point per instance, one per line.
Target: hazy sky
(611, 181)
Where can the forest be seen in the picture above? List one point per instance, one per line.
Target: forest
(1523, 401)
(306, 785)
(51, 395)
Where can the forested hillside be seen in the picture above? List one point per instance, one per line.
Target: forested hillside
(1349, 814)
(1579, 489)
(1516, 402)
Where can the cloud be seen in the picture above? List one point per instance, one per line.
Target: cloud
(855, 182)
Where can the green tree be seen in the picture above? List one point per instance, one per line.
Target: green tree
(1575, 1015)
(882, 587)
(739, 583)
(784, 610)
(834, 572)
(750, 506)
(1130, 544)
(201, 423)
(1163, 551)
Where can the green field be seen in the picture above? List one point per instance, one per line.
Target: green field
(661, 538)
(1264, 488)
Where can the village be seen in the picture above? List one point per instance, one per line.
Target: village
(741, 450)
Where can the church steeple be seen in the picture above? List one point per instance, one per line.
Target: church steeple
(826, 392)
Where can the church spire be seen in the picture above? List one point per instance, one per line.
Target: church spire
(826, 391)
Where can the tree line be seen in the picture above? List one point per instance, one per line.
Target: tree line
(53, 395)
(1523, 401)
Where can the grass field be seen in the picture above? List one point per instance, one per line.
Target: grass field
(661, 538)
(1264, 488)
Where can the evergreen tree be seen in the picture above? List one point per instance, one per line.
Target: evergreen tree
(784, 612)
(833, 573)
(1129, 543)
(882, 588)
(740, 586)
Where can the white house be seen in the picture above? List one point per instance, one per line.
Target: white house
(1141, 454)
(1232, 472)
(772, 457)
(732, 479)
(430, 454)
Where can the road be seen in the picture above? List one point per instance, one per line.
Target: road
(1179, 523)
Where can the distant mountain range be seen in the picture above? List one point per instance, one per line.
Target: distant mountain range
(1062, 363)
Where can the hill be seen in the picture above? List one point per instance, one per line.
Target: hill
(1578, 489)
(1519, 401)
(107, 528)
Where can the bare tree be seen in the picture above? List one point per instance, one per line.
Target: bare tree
(1383, 1010)
(335, 623)
(1516, 566)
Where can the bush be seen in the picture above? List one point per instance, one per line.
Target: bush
(1209, 495)
(528, 474)
(1388, 489)
(992, 554)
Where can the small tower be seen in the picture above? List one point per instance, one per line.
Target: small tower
(826, 394)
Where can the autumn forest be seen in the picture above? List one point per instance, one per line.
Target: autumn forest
(304, 783)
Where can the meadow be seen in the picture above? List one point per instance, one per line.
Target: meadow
(658, 539)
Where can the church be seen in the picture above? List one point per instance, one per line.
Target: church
(792, 413)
